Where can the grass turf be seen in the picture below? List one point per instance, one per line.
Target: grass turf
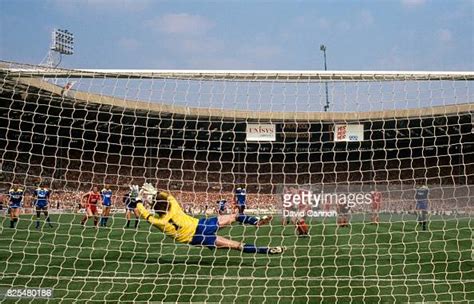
(391, 262)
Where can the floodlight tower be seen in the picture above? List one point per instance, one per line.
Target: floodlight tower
(322, 48)
(62, 43)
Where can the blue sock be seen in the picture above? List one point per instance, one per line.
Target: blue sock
(249, 248)
(244, 219)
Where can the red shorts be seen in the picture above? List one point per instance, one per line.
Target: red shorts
(92, 208)
(375, 206)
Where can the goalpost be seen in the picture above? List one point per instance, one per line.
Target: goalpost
(384, 181)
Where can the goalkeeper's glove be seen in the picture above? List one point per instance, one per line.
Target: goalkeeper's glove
(134, 192)
(134, 189)
(148, 192)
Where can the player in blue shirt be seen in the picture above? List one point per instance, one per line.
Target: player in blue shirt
(240, 201)
(131, 205)
(106, 194)
(221, 206)
(41, 201)
(15, 201)
(421, 197)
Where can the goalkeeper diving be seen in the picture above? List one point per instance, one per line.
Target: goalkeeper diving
(170, 218)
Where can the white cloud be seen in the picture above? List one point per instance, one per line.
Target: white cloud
(445, 35)
(110, 6)
(221, 62)
(366, 18)
(181, 24)
(120, 4)
(261, 51)
(344, 25)
(413, 3)
(201, 45)
(395, 59)
(360, 19)
(186, 35)
(129, 44)
(324, 23)
(192, 46)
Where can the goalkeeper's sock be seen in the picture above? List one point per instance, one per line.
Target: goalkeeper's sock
(95, 222)
(250, 248)
(11, 224)
(128, 224)
(244, 219)
(136, 223)
(37, 224)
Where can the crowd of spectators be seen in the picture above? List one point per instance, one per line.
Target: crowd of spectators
(199, 188)
(69, 200)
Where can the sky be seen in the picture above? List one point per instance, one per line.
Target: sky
(276, 35)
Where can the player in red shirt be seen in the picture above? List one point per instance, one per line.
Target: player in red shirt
(376, 203)
(302, 227)
(343, 214)
(93, 198)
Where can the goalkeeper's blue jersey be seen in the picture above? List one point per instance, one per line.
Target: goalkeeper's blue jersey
(41, 195)
(106, 197)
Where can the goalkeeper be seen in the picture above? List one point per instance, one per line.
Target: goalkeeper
(170, 218)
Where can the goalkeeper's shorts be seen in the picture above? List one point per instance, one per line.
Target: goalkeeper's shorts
(205, 234)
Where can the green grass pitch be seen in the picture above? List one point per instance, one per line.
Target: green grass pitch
(391, 262)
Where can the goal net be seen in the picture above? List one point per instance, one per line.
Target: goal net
(372, 199)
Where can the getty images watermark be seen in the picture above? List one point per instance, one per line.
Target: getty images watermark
(302, 202)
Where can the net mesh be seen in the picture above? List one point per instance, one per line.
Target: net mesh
(354, 174)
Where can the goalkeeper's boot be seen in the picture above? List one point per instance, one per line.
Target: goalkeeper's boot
(277, 250)
(264, 220)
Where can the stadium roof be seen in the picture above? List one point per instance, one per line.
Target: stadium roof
(13, 77)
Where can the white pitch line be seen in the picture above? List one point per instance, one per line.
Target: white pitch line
(191, 277)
